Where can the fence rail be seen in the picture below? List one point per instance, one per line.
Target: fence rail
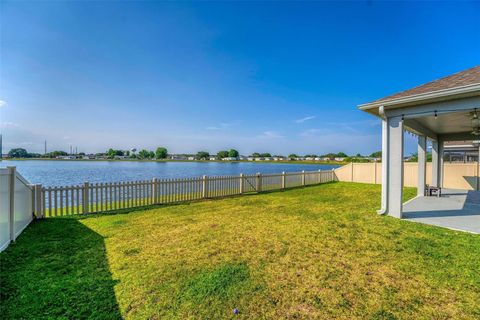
(100, 197)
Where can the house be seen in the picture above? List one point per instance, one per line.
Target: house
(190, 158)
(230, 159)
(178, 157)
(462, 151)
(212, 158)
(250, 159)
(439, 113)
(339, 159)
(89, 157)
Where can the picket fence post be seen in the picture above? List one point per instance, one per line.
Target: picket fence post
(242, 190)
(283, 180)
(154, 191)
(204, 187)
(38, 201)
(259, 182)
(303, 177)
(85, 199)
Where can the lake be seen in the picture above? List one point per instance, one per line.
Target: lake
(68, 172)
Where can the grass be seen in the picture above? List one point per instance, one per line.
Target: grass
(315, 253)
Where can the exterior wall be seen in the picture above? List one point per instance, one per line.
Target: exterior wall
(455, 175)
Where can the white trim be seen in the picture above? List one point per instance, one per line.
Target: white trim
(472, 88)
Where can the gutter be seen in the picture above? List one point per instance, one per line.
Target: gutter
(447, 94)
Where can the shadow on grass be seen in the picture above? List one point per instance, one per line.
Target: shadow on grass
(57, 268)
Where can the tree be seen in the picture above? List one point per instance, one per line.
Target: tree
(144, 154)
(377, 154)
(292, 156)
(202, 155)
(161, 153)
(18, 153)
(55, 154)
(111, 153)
(222, 154)
(331, 156)
(341, 155)
(265, 155)
(255, 155)
(233, 153)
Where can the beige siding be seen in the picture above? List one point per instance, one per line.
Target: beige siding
(456, 175)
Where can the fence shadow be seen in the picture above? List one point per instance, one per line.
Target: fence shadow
(57, 268)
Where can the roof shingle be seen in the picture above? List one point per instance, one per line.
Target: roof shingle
(463, 78)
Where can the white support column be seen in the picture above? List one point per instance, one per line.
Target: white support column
(395, 167)
(385, 153)
(422, 165)
(437, 162)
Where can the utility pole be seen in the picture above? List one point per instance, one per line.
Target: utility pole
(45, 148)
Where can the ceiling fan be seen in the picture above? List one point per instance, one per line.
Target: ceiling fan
(475, 123)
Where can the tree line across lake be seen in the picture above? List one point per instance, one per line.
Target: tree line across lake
(161, 153)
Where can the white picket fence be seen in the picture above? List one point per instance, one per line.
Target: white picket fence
(101, 197)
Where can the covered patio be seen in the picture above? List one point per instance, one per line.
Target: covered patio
(456, 209)
(447, 109)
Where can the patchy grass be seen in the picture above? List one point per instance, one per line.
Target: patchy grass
(315, 253)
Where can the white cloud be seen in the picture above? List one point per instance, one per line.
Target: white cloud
(223, 125)
(315, 132)
(302, 120)
(270, 135)
(8, 124)
(3, 103)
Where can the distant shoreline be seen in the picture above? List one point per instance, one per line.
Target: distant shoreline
(332, 163)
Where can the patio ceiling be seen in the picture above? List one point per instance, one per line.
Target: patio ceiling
(449, 123)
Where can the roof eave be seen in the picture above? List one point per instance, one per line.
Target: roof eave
(439, 95)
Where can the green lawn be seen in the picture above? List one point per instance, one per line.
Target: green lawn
(320, 252)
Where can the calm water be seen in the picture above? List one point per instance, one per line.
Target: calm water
(55, 173)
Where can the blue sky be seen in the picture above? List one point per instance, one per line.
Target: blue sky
(269, 77)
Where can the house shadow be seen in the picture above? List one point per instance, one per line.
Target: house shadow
(472, 181)
(57, 268)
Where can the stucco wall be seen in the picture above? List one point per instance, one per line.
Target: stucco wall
(455, 175)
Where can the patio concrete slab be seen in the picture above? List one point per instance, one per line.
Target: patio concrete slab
(456, 209)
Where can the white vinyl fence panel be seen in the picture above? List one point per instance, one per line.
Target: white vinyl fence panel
(16, 205)
(4, 209)
(23, 209)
